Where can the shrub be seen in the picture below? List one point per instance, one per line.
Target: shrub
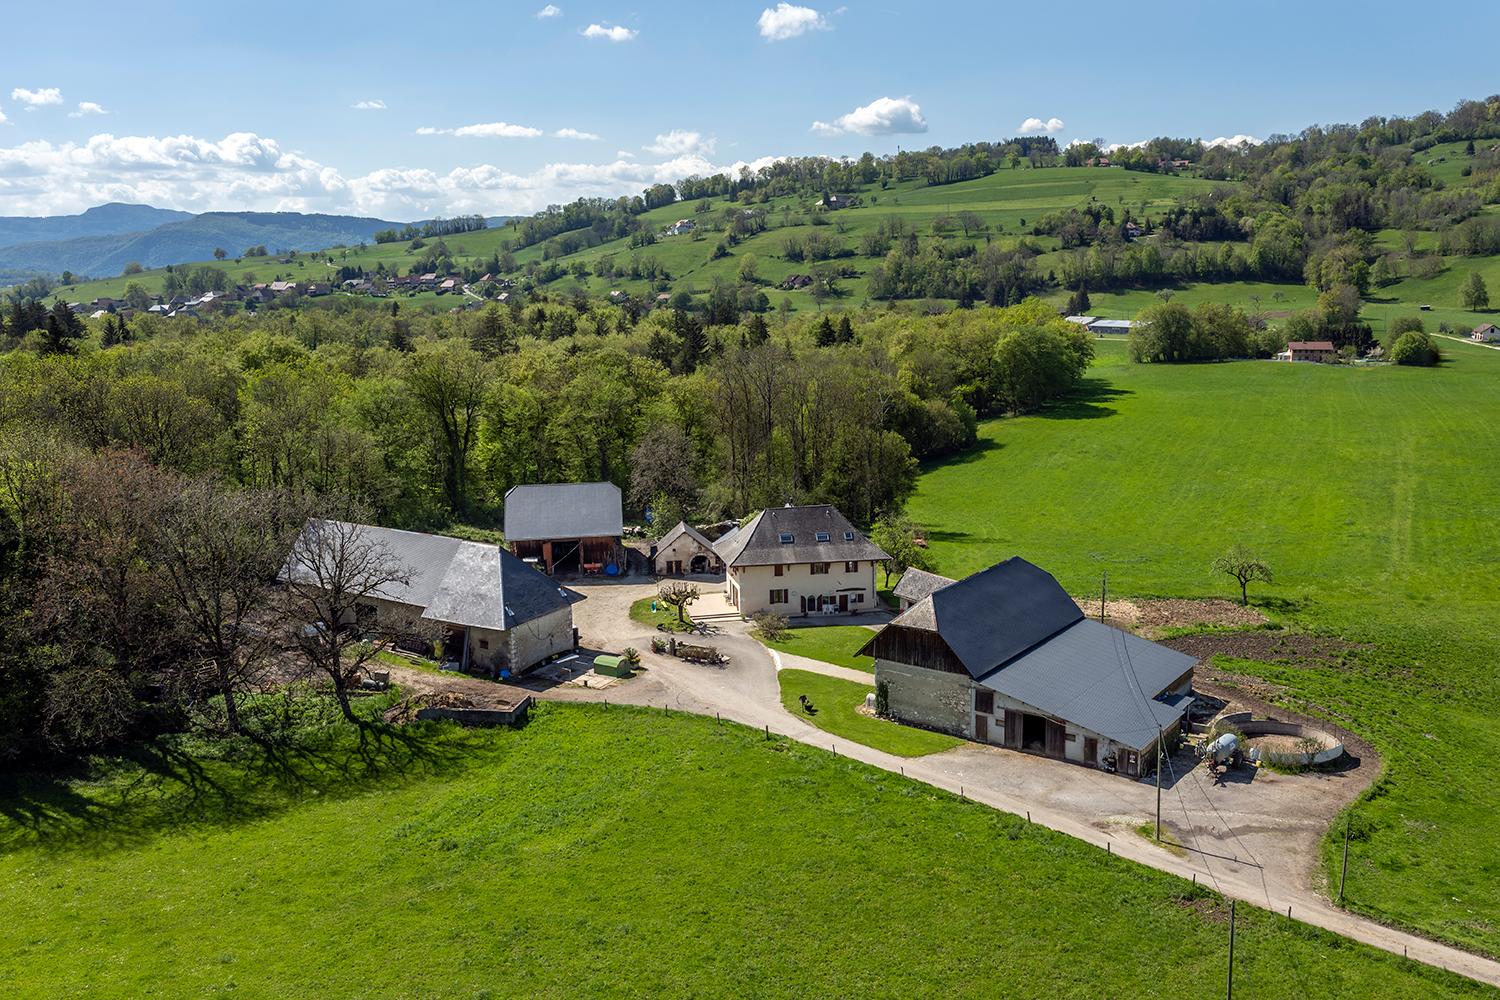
(1414, 348)
(1407, 324)
(769, 625)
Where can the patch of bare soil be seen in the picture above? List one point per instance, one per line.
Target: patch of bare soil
(1288, 648)
(1240, 693)
(1149, 616)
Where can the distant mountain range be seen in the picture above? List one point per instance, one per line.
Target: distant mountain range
(101, 241)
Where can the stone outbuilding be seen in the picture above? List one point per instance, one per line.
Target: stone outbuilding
(1007, 657)
(685, 551)
(496, 615)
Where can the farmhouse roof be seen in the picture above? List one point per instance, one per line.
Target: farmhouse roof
(995, 615)
(541, 512)
(460, 582)
(1485, 328)
(916, 584)
(1310, 345)
(683, 528)
(1098, 677)
(1082, 320)
(1111, 324)
(787, 535)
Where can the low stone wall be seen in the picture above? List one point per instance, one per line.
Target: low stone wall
(513, 716)
(1250, 727)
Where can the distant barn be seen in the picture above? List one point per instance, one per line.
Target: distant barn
(566, 527)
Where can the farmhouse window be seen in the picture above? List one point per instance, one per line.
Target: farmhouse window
(984, 702)
(778, 597)
(780, 570)
(858, 598)
(818, 569)
(484, 644)
(787, 538)
(821, 536)
(848, 536)
(851, 567)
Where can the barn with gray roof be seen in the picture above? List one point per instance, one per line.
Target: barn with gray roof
(567, 528)
(1007, 657)
(496, 615)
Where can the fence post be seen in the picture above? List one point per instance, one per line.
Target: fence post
(1345, 873)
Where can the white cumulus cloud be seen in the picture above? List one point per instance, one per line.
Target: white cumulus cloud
(1035, 126)
(36, 98)
(371, 105)
(485, 130)
(244, 171)
(573, 133)
(785, 20)
(551, 10)
(883, 116)
(611, 32)
(3, 119)
(1233, 140)
(87, 108)
(681, 142)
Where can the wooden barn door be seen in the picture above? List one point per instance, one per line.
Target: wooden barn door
(1013, 729)
(981, 728)
(1091, 751)
(1055, 746)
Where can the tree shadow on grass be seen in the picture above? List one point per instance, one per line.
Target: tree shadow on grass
(1087, 402)
(977, 452)
(176, 783)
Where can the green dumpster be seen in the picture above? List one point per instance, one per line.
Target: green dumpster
(611, 666)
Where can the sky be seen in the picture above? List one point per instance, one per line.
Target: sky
(406, 111)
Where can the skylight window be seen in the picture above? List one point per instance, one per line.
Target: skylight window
(822, 536)
(848, 536)
(787, 538)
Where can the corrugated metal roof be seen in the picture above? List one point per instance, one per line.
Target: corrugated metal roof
(916, 584)
(463, 583)
(1098, 677)
(814, 533)
(563, 510)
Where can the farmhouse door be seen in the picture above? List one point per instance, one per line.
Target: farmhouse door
(1091, 751)
(981, 728)
(843, 602)
(1055, 739)
(1013, 729)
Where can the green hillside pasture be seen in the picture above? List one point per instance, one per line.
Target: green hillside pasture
(1372, 492)
(617, 852)
(1002, 200)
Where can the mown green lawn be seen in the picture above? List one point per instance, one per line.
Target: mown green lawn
(834, 644)
(654, 611)
(602, 852)
(837, 703)
(1374, 494)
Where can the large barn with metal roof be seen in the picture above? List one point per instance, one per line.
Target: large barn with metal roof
(1007, 657)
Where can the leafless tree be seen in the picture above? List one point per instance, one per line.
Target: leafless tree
(1245, 567)
(221, 551)
(334, 572)
(679, 595)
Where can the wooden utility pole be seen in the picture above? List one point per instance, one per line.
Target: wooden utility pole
(1345, 873)
(1229, 994)
(1103, 587)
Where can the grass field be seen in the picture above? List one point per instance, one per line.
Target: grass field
(837, 702)
(597, 852)
(1372, 492)
(834, 644)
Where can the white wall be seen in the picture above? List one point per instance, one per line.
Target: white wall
(755, 583)
(683, 549)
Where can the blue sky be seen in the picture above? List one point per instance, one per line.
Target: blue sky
(489, 107)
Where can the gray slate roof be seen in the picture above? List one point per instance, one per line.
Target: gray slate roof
(683, 528)
(1098, 677)
(563, 510)
(759, 542)
(995, 615)
(465, 583)
(916, 584)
